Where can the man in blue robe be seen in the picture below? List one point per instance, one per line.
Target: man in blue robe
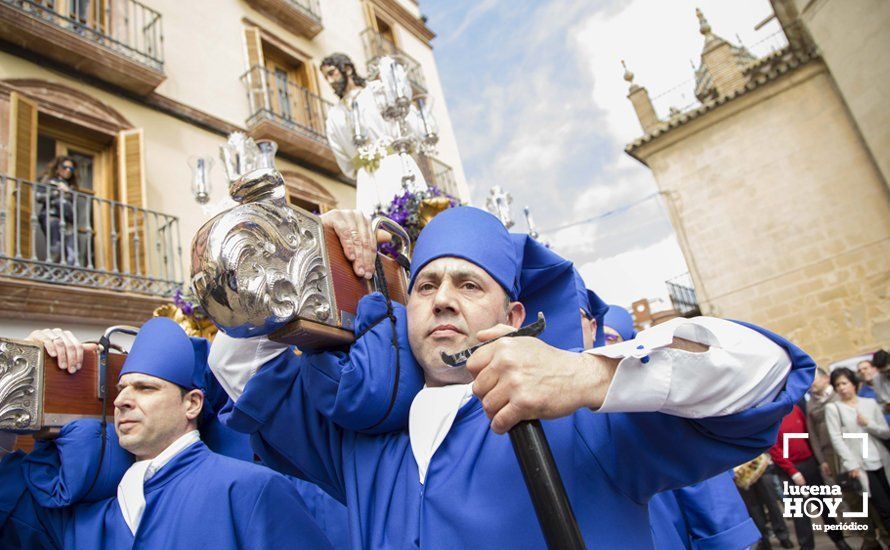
(614, 416)
(176, 493)
(705, 515)
(708, 514)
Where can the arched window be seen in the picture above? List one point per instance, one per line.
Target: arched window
(306, 193)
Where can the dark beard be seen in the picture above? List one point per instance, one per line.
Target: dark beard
(340, 86)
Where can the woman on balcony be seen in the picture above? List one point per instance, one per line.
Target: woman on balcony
(55, 200)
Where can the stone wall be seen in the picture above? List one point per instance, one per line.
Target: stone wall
(853, 39)
(782, 214)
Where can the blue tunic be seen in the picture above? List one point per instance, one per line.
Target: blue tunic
(199, 499)
(474, 495)
(706, 515)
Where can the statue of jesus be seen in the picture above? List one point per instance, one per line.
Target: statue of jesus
(360, 137)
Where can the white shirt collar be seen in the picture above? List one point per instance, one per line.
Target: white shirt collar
(430, 419)
(130, 491)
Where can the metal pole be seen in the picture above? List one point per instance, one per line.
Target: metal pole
(545, 486)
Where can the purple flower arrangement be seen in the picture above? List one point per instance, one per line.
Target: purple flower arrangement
(183, 303)
(405, 211)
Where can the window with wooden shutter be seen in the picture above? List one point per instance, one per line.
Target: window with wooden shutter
(23, 165)
(292, 93)
(257, 78)
(307, 194)
(131, 186)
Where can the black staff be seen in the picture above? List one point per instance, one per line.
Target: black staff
(536, 461)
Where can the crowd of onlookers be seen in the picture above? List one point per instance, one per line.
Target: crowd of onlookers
(839, 402)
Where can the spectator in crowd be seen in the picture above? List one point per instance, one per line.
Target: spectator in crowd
(821, 395)
(875, 385)
(758, 491)
(801, 467)
(55, 200)
(854, 414)
(879, 360)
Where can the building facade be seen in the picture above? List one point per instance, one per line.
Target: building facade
(776, 177)
(135, 92)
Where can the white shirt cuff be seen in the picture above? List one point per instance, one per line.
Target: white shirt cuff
(741, 369)
(234, 361)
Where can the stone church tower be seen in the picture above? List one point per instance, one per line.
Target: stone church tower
(776, 180)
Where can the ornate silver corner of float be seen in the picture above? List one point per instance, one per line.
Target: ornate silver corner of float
(261, 264)
(21, 380)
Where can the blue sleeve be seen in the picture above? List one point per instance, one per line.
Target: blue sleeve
(286, 431)
(647, 453)
(369, 388)
(279, 519)
(716, 516)
(23, 523)
(59, 472)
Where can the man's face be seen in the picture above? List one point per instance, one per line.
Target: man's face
(151, 413)
(335, 78)
(820, 382)
(452, 300)
(866, 371)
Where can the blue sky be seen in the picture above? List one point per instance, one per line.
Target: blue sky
(537, 100)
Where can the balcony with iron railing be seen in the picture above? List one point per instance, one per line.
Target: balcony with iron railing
(376, 46)
(682, 292)
(118, 41)
(298, 16)
(437, 173)
(290, 115)
(57, 240)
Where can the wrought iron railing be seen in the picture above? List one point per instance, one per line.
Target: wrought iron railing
(124, 26)
(376, 46)
(437, 173)
(73, 238)
(272, 96)
(682, 293)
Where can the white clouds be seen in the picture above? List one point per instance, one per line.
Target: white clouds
(539, 106)
(635, 274)
(657, 39)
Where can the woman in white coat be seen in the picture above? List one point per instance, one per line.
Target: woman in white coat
(869, 464)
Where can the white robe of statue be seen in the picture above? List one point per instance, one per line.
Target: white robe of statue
(379, 186)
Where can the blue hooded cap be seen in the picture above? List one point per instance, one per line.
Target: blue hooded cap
(593, 306)
(619, 320)
(163, 350)
(470, 234)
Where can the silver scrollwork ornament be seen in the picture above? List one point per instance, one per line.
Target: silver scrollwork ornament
(260, 264)
(20, 381)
